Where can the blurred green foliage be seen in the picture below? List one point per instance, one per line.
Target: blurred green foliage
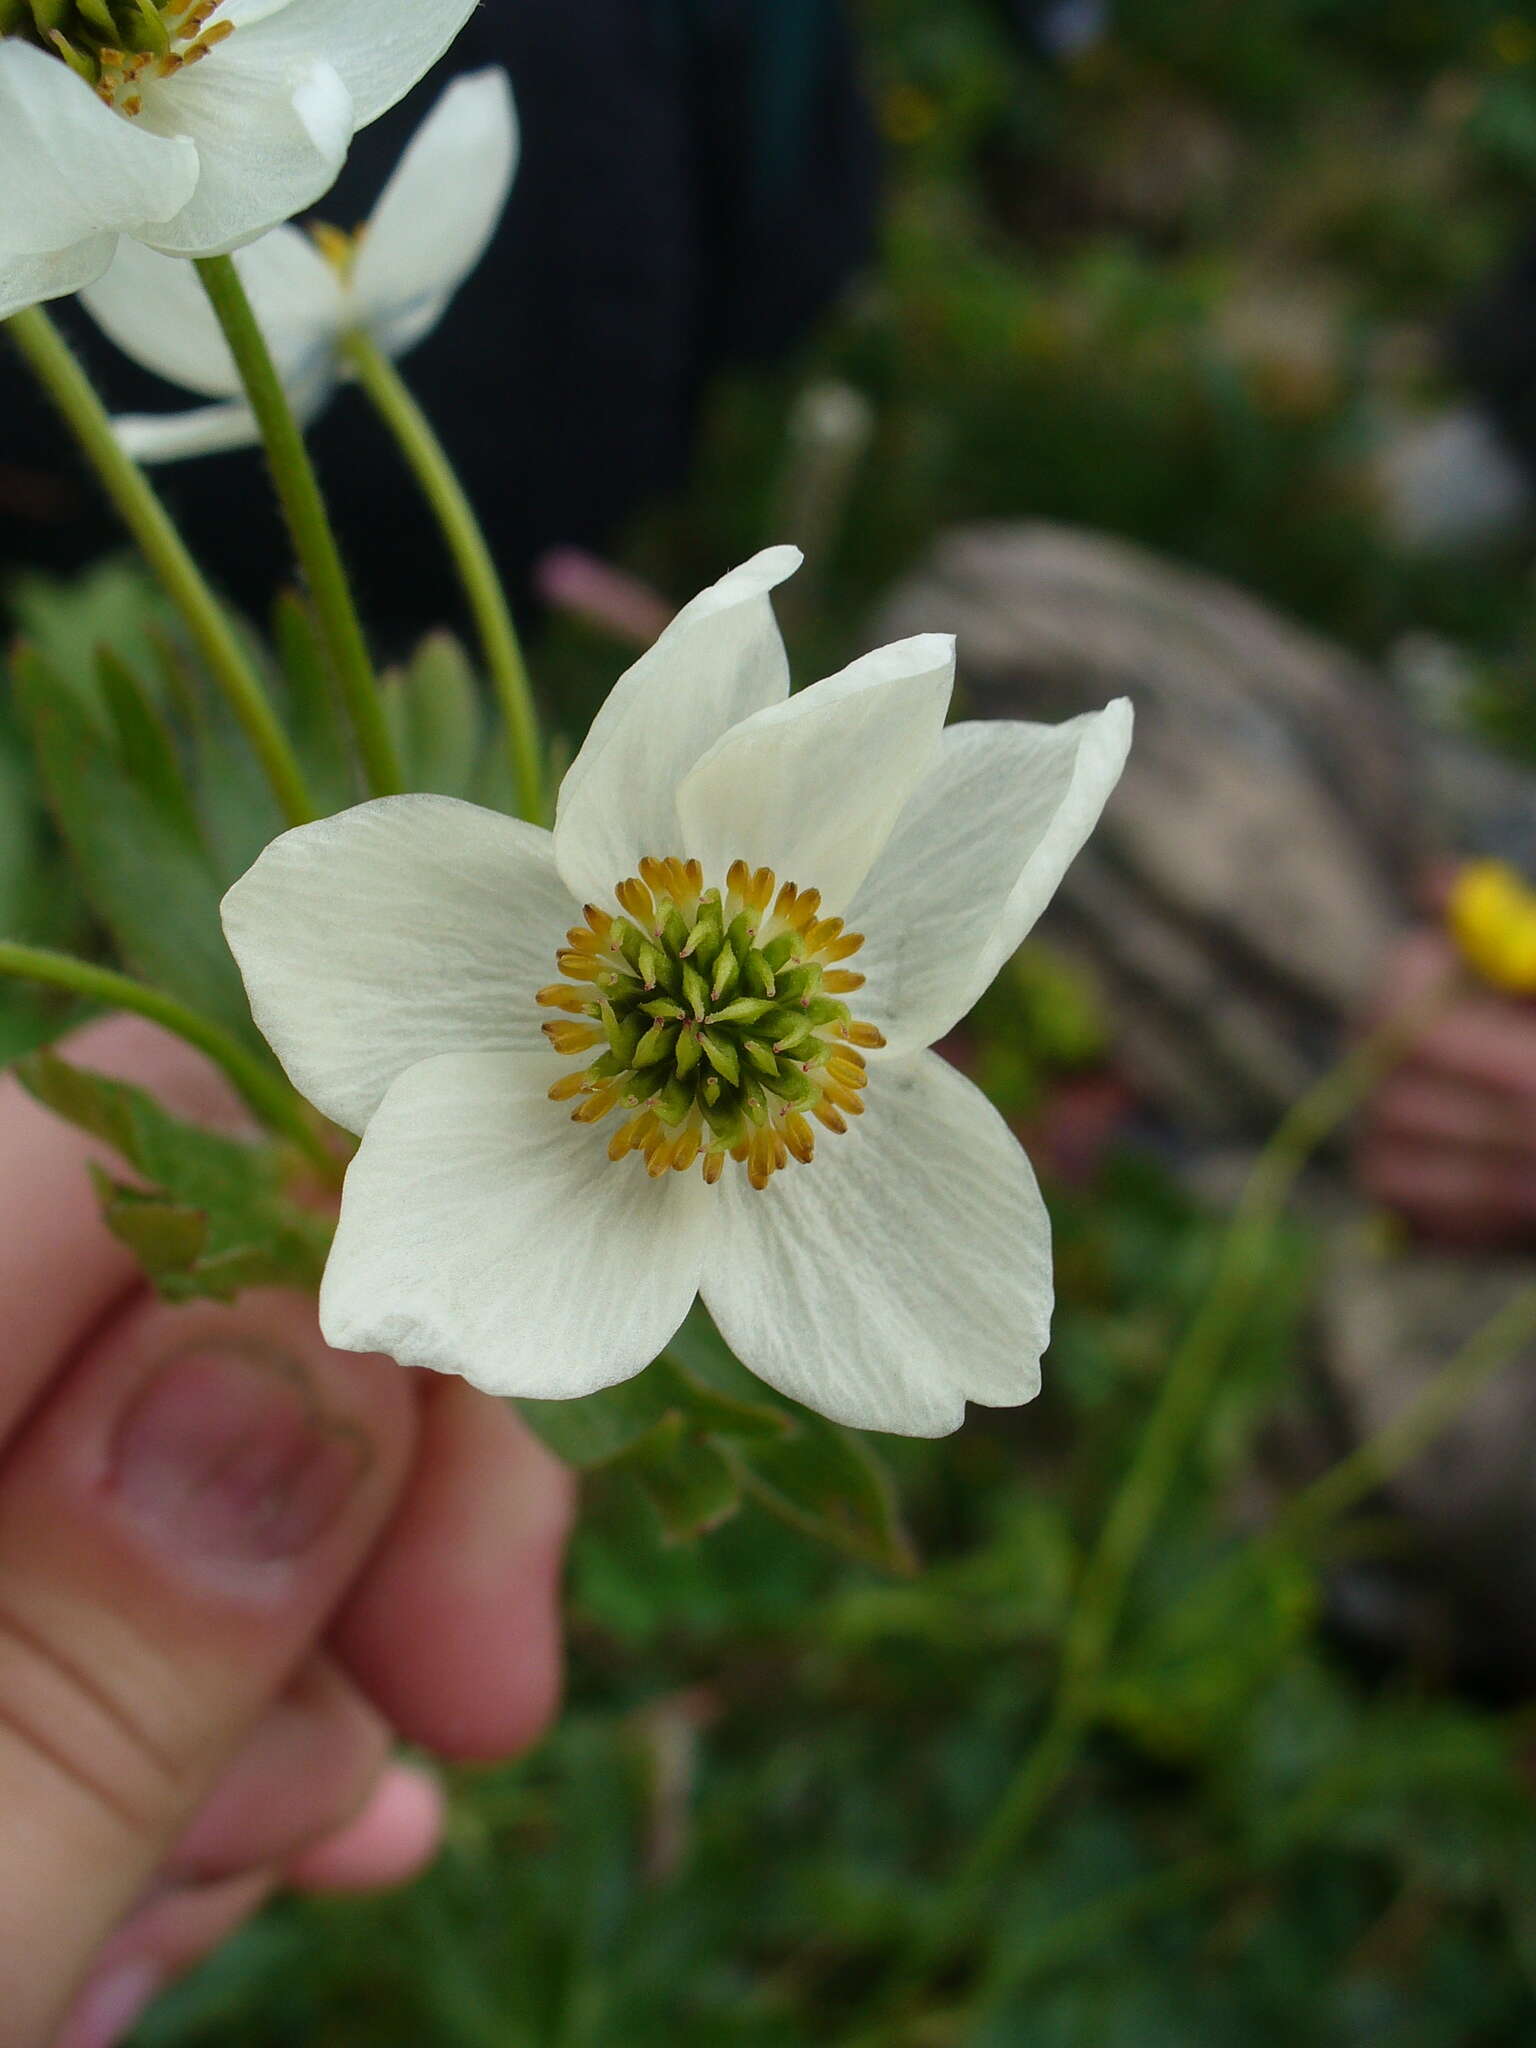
(1172, 291)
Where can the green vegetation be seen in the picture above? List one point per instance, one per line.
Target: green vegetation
(1175, 292)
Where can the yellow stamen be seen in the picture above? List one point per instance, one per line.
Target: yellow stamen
(579, 966)
(596, 1107)
(560, 996)
(637, 900)
(568, 1038)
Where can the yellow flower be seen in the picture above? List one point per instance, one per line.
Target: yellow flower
(1492, 918)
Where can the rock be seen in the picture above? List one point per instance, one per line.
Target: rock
(1255, 863)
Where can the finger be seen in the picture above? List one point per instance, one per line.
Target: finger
(454, 1629)
(308, 1768)
(177, 1523)
(1453, 1194)
(1486, 1042)
(163, 1940)
(1427, 1106)
(394, 1839)
(61, 1270)
(1423, 960)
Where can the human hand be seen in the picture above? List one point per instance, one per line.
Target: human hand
(1448, 1139)
(234, 1566)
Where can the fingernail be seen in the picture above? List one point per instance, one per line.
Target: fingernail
(110, 2004)
(226, 1457)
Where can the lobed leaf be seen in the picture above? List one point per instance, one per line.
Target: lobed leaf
(211, 1215)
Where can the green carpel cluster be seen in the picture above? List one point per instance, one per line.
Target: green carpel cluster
(718, 1020)
(113, 44)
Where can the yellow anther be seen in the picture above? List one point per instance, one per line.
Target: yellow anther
(561, 996)
(567, 1037)
(857, 1033)
(579, 966)
(567, 1086)
(845, 947)
(799, 1137)
(596, 1107)
(840, 982)
(636, 899)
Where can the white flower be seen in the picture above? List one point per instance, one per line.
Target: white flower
(191, 125)
(394, 280)
(551, 1169)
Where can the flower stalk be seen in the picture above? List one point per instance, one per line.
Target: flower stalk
(1096, 1616)
(309, 524)
(61, 375)
(483, 587)
(270, 1099)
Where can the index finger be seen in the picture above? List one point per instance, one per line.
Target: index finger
(61, 1269)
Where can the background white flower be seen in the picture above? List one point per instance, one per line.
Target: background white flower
(396, 280)
(243, 121)
(397, 958)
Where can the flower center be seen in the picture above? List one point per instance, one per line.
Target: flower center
(720, 1017)
(119, 46)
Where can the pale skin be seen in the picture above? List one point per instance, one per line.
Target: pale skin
(235, 1567)
(1448, 1141)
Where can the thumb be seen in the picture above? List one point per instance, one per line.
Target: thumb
(177, 1522)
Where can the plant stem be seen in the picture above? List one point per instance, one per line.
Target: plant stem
(472, 557)
(59, 371)
(309, 524)
(1382, 1456)
(1143, 1493)
(271, 1099)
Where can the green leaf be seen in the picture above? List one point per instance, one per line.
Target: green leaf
(315, 722)
(439, 719)
(690, 1482)
(70, 619)
(212, 1217)
(677, 1436)
(152, 884)
(817, 1476)
(145, 746)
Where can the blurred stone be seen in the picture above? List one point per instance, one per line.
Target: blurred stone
(1390, 1322)
(1235, 905)
(1448, 485)
(1255, 865)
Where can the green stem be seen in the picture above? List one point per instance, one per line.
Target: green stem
(59, 371)
(1161, 1448)
(472, 557)
(309, 524)
(1366, 1470)
(272, 1101)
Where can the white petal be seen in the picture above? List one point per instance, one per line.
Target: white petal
(379, 47)
(176, 436)
(69, 166)
(272, 132)
(974, 859)
(438, 212)
(407, 927)
(905, 1271)
(28, 280)
(720, 660)
(156, 311)
(484, 1233)
(812, 787)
